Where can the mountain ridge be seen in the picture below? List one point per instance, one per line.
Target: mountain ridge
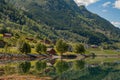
(64, 17)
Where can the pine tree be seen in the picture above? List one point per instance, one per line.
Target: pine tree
(25, 48)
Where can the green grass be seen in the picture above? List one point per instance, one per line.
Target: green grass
(88, 51)
(100, 51)
(15, 50)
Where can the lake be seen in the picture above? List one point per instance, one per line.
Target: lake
(46, 69)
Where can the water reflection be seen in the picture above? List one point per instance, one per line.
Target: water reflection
(24, 67)
(78, 65)
(61, 66)
(40, 66)
(63, 69)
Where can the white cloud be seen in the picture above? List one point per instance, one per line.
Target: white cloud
(117, 4)
(106, 4)
(117, 24)
(85, 2)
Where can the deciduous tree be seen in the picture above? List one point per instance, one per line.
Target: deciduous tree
(41, 48)
(79, 49)
(61, 47)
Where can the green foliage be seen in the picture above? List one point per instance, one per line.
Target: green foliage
(25, 48)
(110, 47)
(61, 66)
(56, 19)
(25, 67)
(61, 47)
(41, 48)
(72, 20)
(78, 65)
(40, 65)
(79, 49)
(3, 30)
(97, 38)
(11, 13)
(106, 71)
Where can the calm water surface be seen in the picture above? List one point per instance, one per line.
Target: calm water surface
(88, 69)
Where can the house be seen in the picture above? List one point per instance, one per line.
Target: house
(47, 41)
(29, 39)
(7, 35)
(2, 44)
(51, 51)
(94, 46)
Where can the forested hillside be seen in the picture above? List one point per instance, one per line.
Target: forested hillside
(59, 19)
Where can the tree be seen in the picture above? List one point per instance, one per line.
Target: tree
(79, 49)
(61, 47)
(3, 30)
(41, 48)
(25, 48)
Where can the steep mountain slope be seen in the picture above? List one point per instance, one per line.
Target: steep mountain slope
(16, 22)
(69, 21)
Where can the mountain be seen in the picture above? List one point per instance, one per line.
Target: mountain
(16, 22)
(64, 19)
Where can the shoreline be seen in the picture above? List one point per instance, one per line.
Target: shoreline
(8, 57)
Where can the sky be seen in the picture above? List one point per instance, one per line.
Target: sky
(108, 9)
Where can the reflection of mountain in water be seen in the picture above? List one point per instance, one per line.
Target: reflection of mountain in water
(63, 70)
(107, 71)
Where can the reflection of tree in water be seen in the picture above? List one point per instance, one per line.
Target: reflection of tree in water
(66, 70)
(94, 70)
(2, 71)
(61, 66)
(78, 65)
(24, 67)
(40, 65)
(91, 73)
(8, 69)
(63, 70)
